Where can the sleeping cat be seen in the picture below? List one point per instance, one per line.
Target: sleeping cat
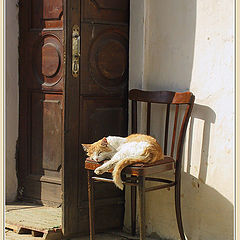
(136, 148)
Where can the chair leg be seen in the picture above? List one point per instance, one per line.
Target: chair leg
(133, 210)
(178, 209)
(141, 196)
(91, 204)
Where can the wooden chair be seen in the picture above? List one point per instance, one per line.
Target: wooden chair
(140, 173)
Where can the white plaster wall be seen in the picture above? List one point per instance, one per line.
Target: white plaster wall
(188, 45)
(12, 95)
(136, 44)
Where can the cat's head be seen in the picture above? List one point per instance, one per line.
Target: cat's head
(100, 150)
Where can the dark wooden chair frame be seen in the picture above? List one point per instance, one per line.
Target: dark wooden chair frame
(140, 173)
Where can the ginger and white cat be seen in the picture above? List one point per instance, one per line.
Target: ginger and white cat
(122, 152)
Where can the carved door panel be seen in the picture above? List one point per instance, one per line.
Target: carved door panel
(96, 106)
(41, 100)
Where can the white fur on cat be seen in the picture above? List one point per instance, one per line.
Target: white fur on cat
(124, 150)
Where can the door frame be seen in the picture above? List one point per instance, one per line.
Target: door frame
(71, 10)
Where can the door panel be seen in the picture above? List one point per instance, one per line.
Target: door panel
(105, 50)
(113, 11)
(46, 128)
(41, 100)
(45, 14)
(52, 133)
(95, 106)
(49, 189)
(102, 116)
(47, 60)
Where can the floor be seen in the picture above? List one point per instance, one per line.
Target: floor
(10, 235)
(32, 220)
(33, 216)
(24, 219)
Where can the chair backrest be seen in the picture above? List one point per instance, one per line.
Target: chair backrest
(167, 98)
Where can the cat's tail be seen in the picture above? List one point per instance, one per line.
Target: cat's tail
(120, 166)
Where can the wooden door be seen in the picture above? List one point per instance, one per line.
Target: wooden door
(95, 106)
(41, 84)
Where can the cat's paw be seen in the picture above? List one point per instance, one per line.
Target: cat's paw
(120, 185)
(98, 171)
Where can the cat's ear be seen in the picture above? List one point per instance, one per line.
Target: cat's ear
(86, 146)
(104, 142)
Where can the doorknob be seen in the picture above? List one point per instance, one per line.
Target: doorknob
(75, 50)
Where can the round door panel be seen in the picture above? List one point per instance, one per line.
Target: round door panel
(47, 60)
(51, 60)
(108, 60)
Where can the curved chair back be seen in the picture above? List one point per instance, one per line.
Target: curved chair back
(172, 100)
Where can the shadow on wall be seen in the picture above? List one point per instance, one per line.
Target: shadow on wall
(208, 117)
(170, 44)
(207, 213)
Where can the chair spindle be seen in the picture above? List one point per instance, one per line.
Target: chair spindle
(148, 117)
(174, 129)
(134, 116)
(166, 130)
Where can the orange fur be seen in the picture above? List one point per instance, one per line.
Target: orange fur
(96, 147)
(151, 154)
(154, 150)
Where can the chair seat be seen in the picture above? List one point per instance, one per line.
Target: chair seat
(139, 169)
